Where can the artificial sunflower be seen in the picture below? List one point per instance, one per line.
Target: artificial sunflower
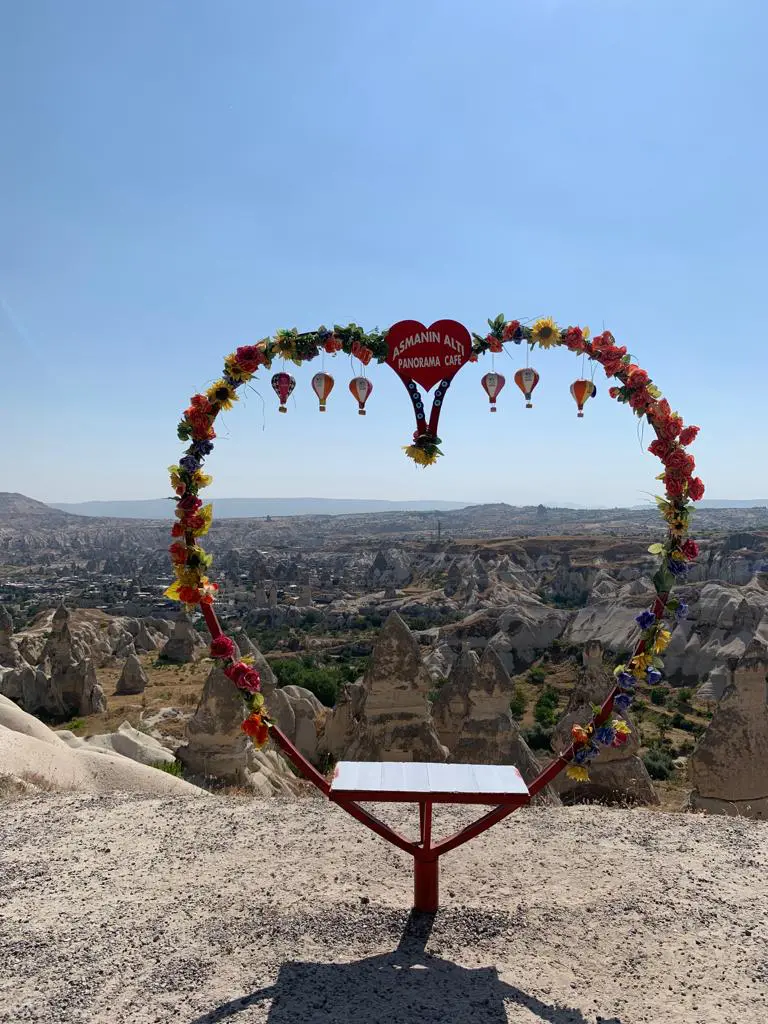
(577, 772)
(235, 371)
(661, 643)
(545, 332)
(222, 394)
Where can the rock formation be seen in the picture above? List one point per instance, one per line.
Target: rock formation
(133, 678)
(185, 642)
(40, 760)
(393, 722)
(729, 767)
(618, 774)
(72, 684)
(452, 705)
(486, 732)
(218, 750)
(127, 741)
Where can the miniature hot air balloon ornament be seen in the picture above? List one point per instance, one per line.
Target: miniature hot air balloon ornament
(526, 380)
(283, 384)
(581, 391)
(322, 385)
(361, 389)
(493, 383)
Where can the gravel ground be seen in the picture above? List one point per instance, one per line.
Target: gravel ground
(130, 910)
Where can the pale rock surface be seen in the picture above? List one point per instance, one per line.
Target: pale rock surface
(729, 767)
(72, 687)
(486, 732)
(618, 774)
(394, 723)
(184, 643)
(714, 686)
(133, 678)
(342, 724)
(38, 756)
(452, 705)
(218, 749)
(132, 743)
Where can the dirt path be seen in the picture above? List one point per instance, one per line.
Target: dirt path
(130, 911)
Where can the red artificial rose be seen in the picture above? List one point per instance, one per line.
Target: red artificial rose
(640, 399)
(614, 392)
(611, 366)
(189, 595)
(177, 530)
(690, 549)
(660, 447)
(248, 357)
(695, 489)
(200, 404)
(222, 647)
(195, 522)
(473, 357)
(178, 552)
(679, 460)
(190, 503)
(674, 485)
(637, 378)
(493, 343)
(332, 345)
(250, 681)
(688, 435)
(511, 328)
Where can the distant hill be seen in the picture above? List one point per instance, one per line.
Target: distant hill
(249, 508)
(37, 513)
(733, 503)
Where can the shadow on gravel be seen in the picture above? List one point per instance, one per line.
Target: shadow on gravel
(409, 986)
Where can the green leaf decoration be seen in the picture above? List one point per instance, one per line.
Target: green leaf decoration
(663, 581)
(656, 549)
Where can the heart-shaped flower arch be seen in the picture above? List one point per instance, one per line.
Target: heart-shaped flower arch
(634, 388)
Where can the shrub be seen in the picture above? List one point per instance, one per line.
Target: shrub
(538, 737)
(545, 709)
(518, 704)
(169, 767)
(684, 697)
(322, 680)
(658, 762)
(679, 721)
(537, 674)
(659, 696)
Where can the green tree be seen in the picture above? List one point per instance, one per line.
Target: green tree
(519, 703)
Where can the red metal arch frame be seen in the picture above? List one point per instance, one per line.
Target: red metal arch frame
(194, 588)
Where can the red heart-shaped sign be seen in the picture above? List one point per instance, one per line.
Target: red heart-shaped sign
(428, 354)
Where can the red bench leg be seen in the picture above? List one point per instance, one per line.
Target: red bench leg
(426, 885)
(426, 868)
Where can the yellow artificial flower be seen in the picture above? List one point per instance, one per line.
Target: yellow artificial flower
(172, 593)
(577, 772)
(545, 332)
(175, 477)
(222, 394)
(661, 643)
(206, 514)
(621, 727)
(639, 664)
(234, 370)
(202, 479)
(420, 456)
(678, 556)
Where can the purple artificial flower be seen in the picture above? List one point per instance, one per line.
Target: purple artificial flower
(681, 611)
(626, 679)
(654, 676)
(622, 701)
(605, 735)
(580, 756)
(199, 449)
(189, 463)
(677, 568)
(645, 620)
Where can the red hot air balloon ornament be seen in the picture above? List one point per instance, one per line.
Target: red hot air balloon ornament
(493, 383)
(526, 380)
(361, 389)
(581, 391)
(322, 385)
(283, 384)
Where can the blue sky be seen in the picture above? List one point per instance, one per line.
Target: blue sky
(180, 177)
